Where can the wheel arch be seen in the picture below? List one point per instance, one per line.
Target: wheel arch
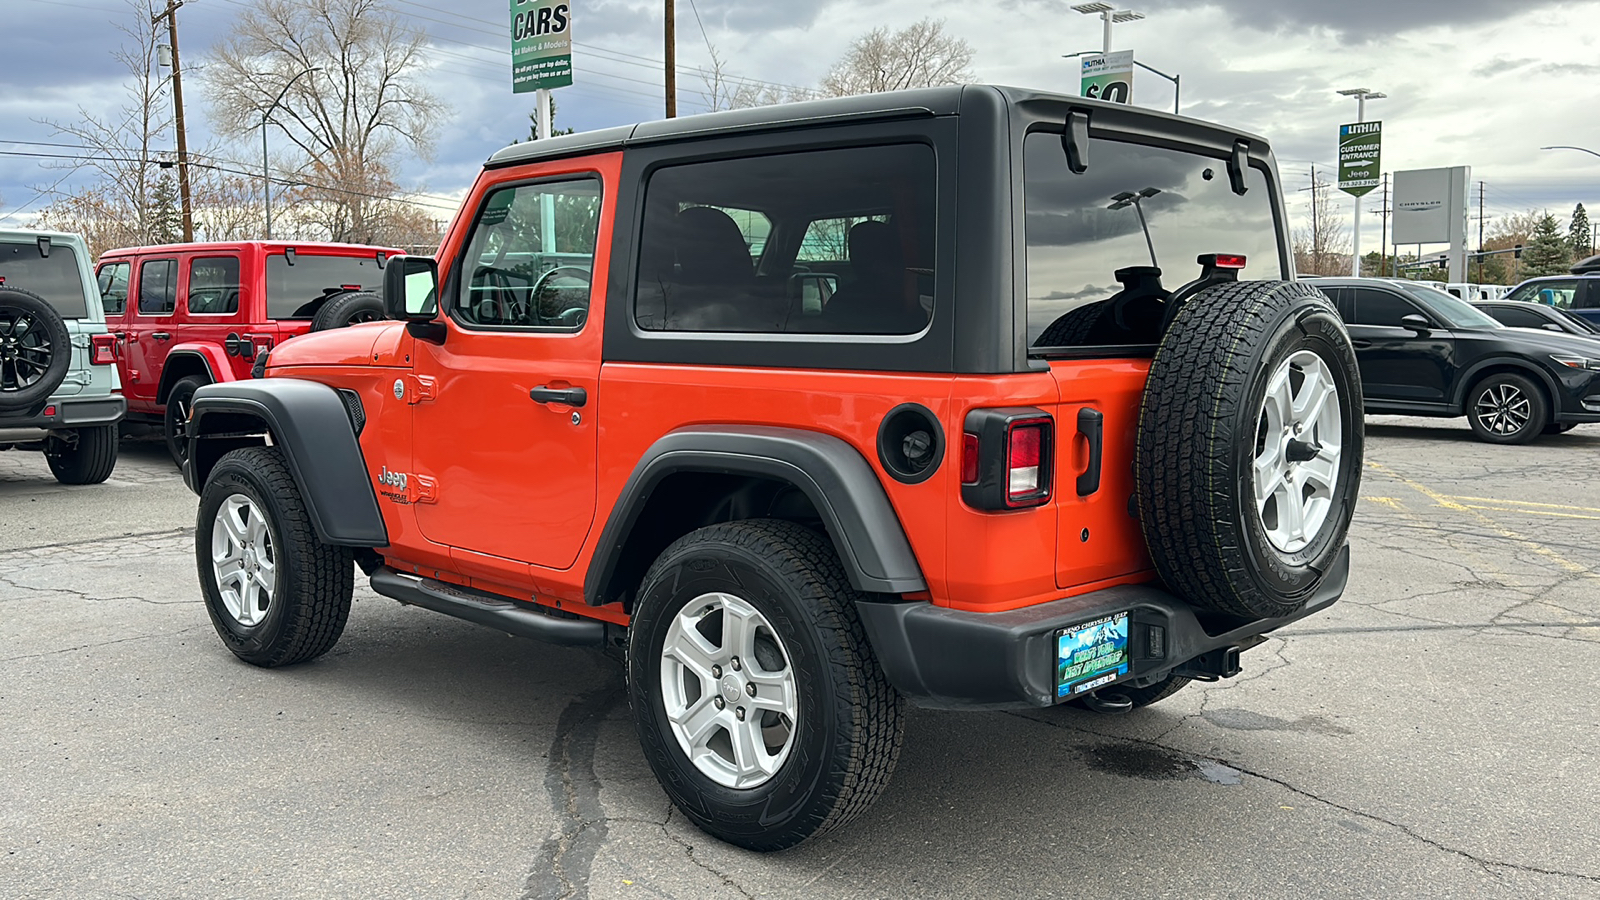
(703, 475)
(191, 359)
(1487, 367)
(309, 422)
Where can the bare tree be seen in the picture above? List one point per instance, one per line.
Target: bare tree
(725, 90)
(919, 55)
(1321, 245)
(121, 149)
(363, 103)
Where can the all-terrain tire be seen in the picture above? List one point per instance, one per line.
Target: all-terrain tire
(35, 350)
(1199, 434)
(175, 417)
(348, 309)
(312, 583)
(847, 733)
(1072, 327)
(88, 459)
(1507, 408)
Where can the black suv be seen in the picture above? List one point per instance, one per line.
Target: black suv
(1423, 352)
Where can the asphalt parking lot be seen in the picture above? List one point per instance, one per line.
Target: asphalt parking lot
(1433, 735)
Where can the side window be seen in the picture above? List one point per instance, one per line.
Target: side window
(214, 285)
(530, 261)
(158, 286)
(1518, 318)
(1342, 301)
(1590, 294)
(113, 282)
(850, 248)
(1374, 307)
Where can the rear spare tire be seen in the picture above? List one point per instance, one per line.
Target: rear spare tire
(348, 309)
(35, 350)
(1249, 450)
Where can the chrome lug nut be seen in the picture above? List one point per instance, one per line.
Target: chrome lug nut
(718, 703)
(736, 665)
(739, 713)
(750, 689)
(716, 671)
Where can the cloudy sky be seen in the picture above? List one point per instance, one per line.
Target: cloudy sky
(1470, 82)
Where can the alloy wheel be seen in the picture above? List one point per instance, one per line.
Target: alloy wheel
(25, 350)
(1503, 409)
(1298, 444)
(243, 560)
(729, 690)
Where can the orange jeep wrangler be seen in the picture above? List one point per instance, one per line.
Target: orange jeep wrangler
(952, 397)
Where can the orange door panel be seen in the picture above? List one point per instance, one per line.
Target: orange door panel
(1098, 537)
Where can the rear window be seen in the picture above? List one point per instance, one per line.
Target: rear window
(816, 242)
(297, 291)
(54, 277)
(1133, 203)
(1551, 293)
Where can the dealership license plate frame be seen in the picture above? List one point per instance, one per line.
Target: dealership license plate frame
(1089, 665)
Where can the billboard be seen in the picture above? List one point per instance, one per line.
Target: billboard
(1430, 206)
(541, 45)
(1108, 76)
(1359, 146)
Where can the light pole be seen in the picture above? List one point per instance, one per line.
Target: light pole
(1177, 80)
(1362, 95)
(266, 175)
(1567, 147)
(1108, 14)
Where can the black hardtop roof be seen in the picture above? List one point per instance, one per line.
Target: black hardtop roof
(922, 102)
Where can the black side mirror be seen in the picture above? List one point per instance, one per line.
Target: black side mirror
(1416, 322)
(411, 295)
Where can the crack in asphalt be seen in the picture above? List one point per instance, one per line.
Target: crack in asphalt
(1488, 865)
(142, 637)
(688, 850)
(121, 539)
(566, 860)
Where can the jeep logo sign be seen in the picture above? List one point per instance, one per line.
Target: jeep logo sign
(392, 479)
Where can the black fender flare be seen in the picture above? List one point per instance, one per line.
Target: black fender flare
(1458, 403)
(831, 473)
(310, 423)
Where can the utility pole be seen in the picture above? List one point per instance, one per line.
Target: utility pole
(1480, 232)
(1383, 240)
(171, 15)
(672, 60)
(1316, 225)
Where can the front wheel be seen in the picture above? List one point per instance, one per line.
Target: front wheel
(275, 593)
(1507, 408)
(176, 416)
(757, 698)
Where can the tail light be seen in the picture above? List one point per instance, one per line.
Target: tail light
(1005, 458)
(103, 349)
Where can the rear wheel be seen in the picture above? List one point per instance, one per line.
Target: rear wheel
(176, 417)
(84, 455)
(1249, 450)
(35, 350)
(757, 698)
(276, 595)
(1507, 408)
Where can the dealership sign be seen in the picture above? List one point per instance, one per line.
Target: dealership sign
(541, 45)
(1358, 157)
(1108, 76)
(1430, 205)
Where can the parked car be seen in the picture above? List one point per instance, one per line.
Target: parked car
(1536, 315)
(58, 385)
(1578, 293)
(794, 509)
(1426, 353)
(187, 315)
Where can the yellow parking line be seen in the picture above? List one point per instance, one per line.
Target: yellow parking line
(1508, 534)
(1532, 512)
(1390, 502)
(1527, 503)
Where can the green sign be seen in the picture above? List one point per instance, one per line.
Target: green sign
(541, 45)
(1358, 157)
(1108, 76)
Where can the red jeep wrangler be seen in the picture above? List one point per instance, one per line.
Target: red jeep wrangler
(187, 315)
(950, 396)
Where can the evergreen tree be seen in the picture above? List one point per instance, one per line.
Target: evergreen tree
(1579, 238)
(165, 216)
(533, 124)
(1547, 252)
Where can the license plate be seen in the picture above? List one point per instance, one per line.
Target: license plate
(1092, 654)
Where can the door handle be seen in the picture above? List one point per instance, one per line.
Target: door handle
(161, 335)
(570, 396)
(1361, 345)
(1091, 424)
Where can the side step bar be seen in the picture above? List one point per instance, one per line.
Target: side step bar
(500, 613)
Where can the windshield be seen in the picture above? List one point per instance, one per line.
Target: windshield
(1455, 312)
(1557, 292)
(297, 291)
(54, 277)
(1135, 209)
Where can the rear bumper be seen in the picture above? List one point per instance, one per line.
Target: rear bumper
(71, 412)
(949, 659)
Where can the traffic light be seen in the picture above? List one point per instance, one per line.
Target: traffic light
(1517, 252)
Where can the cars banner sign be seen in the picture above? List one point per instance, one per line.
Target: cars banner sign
(1359, 169)
(541, 45)
(1108, 76)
